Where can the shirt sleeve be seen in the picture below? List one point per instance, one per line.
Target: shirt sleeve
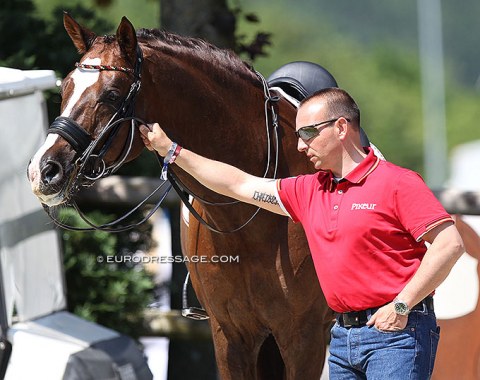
(417, 208)
(290, 193)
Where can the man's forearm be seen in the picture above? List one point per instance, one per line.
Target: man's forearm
(217, 176)
(231, 181)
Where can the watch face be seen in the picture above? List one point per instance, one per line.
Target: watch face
(401, 308)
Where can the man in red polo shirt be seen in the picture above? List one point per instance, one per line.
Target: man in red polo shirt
(366, 222)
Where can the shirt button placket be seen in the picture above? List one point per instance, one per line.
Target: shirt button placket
(335, 207)
(337, 200)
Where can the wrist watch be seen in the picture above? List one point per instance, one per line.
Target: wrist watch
(401, 307)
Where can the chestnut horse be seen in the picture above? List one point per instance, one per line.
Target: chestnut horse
(268, 316)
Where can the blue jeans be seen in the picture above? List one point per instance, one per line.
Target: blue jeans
(367, 353)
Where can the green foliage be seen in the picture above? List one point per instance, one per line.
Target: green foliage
(61, 54)
(22, 32)
(17, 19)
(142, 13)
(104, 283)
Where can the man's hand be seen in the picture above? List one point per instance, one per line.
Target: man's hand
(155, 138)
(385, 319)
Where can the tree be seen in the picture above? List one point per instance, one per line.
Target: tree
(211, 20)
(20, 34)
(215, 22)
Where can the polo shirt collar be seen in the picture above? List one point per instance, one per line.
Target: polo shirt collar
(364, 168)
(361, 171)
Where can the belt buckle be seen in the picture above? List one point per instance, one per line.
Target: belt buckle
(350, 321)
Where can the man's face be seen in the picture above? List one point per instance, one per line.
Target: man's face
(320, 149)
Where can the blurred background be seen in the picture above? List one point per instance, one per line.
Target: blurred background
(412, 66)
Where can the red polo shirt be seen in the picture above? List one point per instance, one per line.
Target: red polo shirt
(364, 232)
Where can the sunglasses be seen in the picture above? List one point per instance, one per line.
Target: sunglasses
(310, 131)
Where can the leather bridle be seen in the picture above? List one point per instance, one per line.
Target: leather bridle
(89, 165)
(85, 145)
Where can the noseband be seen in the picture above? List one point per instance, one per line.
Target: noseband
(90, 166)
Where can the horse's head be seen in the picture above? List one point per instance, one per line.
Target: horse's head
(86, 142)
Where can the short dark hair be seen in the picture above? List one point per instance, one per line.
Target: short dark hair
(339, 103)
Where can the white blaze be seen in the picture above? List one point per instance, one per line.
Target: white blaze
(82, 79)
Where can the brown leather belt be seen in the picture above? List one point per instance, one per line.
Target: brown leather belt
(360, 318)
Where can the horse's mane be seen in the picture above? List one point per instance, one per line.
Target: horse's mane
(225, 60)
(203, 50)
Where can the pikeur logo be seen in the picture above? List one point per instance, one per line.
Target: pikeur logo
(363, 206)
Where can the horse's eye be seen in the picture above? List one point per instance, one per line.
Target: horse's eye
(112, 96)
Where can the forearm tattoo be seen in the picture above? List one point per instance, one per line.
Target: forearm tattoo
(264, 197)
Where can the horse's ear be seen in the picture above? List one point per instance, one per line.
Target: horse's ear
(127, 38)
(82, 37)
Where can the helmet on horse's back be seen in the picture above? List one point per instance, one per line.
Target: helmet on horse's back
(300, 79)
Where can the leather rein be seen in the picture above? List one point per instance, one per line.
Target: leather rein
(90, 166)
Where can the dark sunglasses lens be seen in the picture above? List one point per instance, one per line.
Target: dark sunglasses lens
(307, 133)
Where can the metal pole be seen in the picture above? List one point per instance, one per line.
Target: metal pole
(433, 91)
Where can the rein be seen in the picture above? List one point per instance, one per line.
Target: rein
(87, 160)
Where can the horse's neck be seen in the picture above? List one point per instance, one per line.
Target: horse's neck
(212, 117)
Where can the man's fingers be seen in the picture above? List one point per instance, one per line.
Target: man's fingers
(371, 321)
(144, 130)
(153, 137)
(150, 130)
(144, 135)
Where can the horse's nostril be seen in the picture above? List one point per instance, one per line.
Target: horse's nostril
(51, 172)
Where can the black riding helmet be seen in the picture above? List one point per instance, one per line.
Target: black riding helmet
(301, 78)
